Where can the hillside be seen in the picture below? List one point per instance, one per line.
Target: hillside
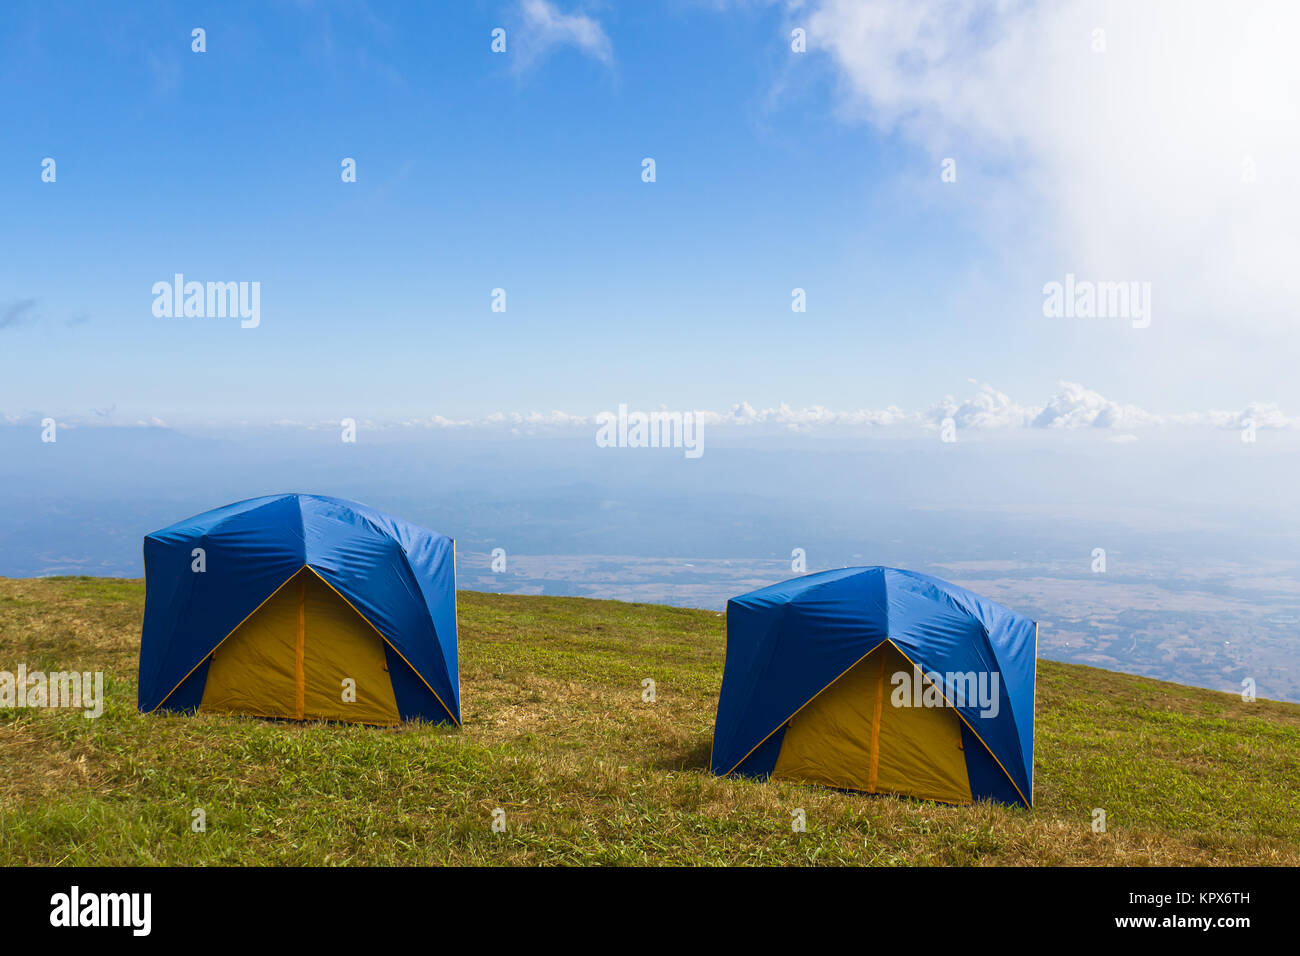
(557, 735)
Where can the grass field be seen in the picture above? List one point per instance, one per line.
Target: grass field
(556, 734)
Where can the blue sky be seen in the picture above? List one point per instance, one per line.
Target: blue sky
(523, 171)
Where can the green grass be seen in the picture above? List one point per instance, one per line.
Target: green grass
(556, 734)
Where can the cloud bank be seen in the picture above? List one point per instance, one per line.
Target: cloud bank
(1071, 408)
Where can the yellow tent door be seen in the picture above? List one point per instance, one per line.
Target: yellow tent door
(852, 736)
(305, 654)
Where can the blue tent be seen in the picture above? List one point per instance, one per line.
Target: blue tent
(879, 680)
(300, 606)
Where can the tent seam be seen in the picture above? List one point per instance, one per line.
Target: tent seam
(961, 607)
(805, 704)
(214, 647)
(958, 712)
(406, 561)
(385, 639)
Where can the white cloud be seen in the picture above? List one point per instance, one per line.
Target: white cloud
(1263, 414)
(1071, 407)
(988, 408)
(1077, 407)
(1121, 165)
(545, 27)
(784, 416)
